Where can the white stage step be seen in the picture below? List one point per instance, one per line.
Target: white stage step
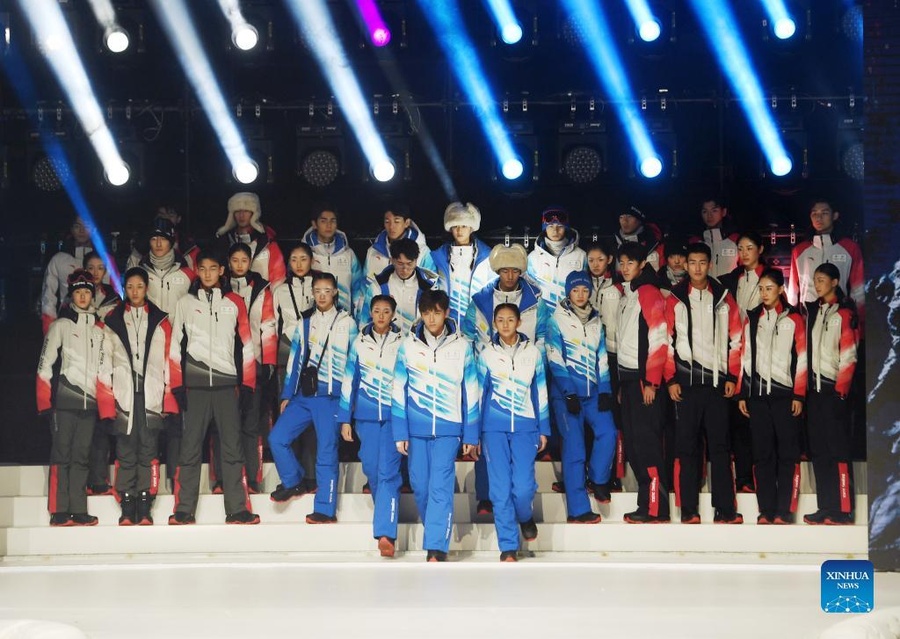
(31, 511)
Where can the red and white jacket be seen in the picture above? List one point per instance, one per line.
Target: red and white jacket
(74, 340)
(844, 253)
(605, 296)
(59, 268)
(704, 328)
(831, 331)
(773, 358)
(204, 352)
(649, 236)
(724, 250)
(260, 303)
(136, 345)
(267, 260)
(641, 338)
(292, 298)
(744, 287)
(166, 287)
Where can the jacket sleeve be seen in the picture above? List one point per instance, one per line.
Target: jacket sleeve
(426, 261)
(357, 283)
(800, 373)
(49, 355)
(539, 397)
(735, 329)
(365, 311)
(745, 379)
(248, 359)
(294, 359)
(556, 355)
(468, 324)
(485, 385)
(277, 269)
(470, 399)
(349, 385)
(604, 385)
(268, 328)
(169, 403)
(50, 295)
(400, 397)
(857, 284)
(671, 303)
(653, 308)
(542, 327)
(175, 376)
(106, 401)
(847, 356)
(793, 290)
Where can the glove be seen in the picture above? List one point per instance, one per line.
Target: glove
(268, 371)
(573, 404)
(180, 395)
(604, 402)
(246, 399)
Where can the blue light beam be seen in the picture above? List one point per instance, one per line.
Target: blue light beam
(722, 32)
(782, 23)
(646, 24)
(448, 26)
(610, 72)
(505, 20)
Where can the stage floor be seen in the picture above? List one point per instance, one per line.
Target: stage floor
(473, 595)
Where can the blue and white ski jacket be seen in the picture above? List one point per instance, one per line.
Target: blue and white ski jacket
(340, 262)
(331, 359)
(513, 388)
(369, 378)
(479, 323)
(405, 292)
(577, 354)
(378, 257)
(550, 271)
(436, 388)
(461, 283)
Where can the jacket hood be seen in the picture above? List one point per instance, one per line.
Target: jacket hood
(311, 237)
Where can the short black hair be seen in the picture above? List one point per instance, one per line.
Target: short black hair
(753, 236)
(240, 247)
(830, 270)
(399, 209)
(699, 247)
(211, 255)
(319, 207)
(716, 198)
(89, 256)
(384, 298)
(604, 246)
(318, 276)
(774, 274)
(633, 251)
(301, 246)
(432, 300)
(406, 247)
(136, 271)
(508, 306)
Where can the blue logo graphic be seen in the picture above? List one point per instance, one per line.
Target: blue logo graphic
(848, 586)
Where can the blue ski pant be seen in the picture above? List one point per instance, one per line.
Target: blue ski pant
(381, 466)
(432, 473)
(510, 466)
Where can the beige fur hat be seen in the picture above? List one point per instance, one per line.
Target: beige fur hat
(512, 256)
(459, 214)
(242, 202)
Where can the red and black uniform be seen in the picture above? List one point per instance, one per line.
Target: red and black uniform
(773, 375)
(831, 348)
(844, 253)
(705, 352)
(641, 342)
(649, 236)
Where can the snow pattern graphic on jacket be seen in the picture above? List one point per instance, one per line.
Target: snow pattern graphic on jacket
(74, 339)
(710, 313)
(405, 292)
(844, 253)
(478, 325)
(436, 389)
(605, 296)
(292, 298)
(267, 258)
(724, 250)
(258, 298)
(341, 262)
(461, 283)
(378, 257)
(642, 338)
(56, 276)
(366, 393)
(550, 271)
(831, 345)
(204, 352)
(577, 354)
(649, 236)
(133, 349)
(513, 383)
(335, 326)
(165, 288)
(774, 359)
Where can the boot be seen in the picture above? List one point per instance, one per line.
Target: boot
(144, 506)
(129, 507)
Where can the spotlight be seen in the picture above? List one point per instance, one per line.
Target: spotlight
(784, 28)
(381, 37)
(781, 165)
(383, 170)
(582, 164)
(245, 37)
(116, 39)
(512, 169)
(582, 150)
(118, 175)
(851, 156)
(853, 161)
(48, 174)
(511, 33)
(650, 30)
(246, 172)
(320, 167)
(651, 167)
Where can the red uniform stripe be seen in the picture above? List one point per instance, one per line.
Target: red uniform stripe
(115, 481)
(677, 475)
(620, 455)
(653, 508)
(259, 459)
(844, 486)
(795, 488)
(212, 460)
(53, 488)
(245, 489)
(177, 485)
(154, 476)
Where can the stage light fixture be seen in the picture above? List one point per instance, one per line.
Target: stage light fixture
(379, 33)
(582, 150)
(246, 172)
(651, 166)
(245, 36)
(512, 169)
(851, 153)
(118, 175)
(116, 39)
(48, 174)
(582, 164)
(384, 170)
(320, 167)
(781, 165)
(650, 30)
(853, 161)
(320, 153)
(511, 33)
(784, 28)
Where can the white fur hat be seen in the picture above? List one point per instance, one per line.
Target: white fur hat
(512, 256)
(459, 214)
(242, 202)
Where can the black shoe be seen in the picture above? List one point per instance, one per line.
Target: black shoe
(558, 487)
(529, 530)
(728, 517)
(282, 494)
(144, 507)
(509, 556)
(690, 517)
(585, 518)
(764, 519)
(839, 519)
(217, 488)
(639, 517)
(129, 510)
(367, 489)
(83, 519)
(99, 489)
(782, 519)
(435, 556)
(242, 517)
(817, 518)
(386, 546)
(614, 485)
(181, 519)
(601, 493)
(60, 520)
(319, 518)
(484, 507)
(310, 486)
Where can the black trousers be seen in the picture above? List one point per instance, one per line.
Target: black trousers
(642, 429)
(98, 469)
(703, 409)
(828, 421)
(776, 454)
(137, 465)
(70, 449)
(741, 445)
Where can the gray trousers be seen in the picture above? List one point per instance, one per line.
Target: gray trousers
(137, 465)
(70, 451)
(203, 406)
